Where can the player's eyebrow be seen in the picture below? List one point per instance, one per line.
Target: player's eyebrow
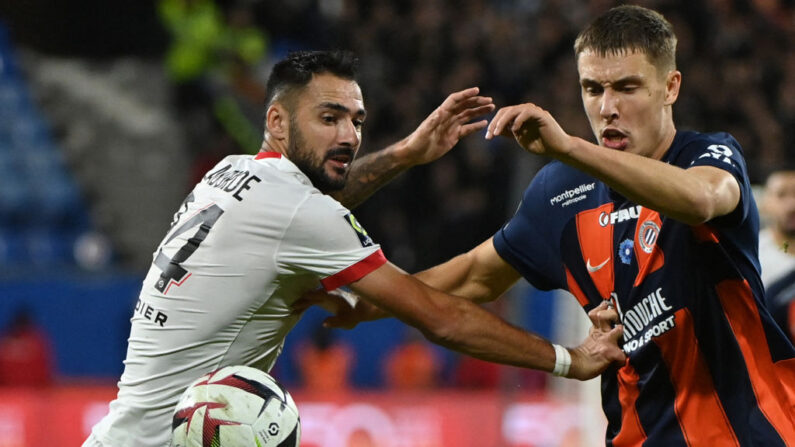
(631, 79)
(341, 108)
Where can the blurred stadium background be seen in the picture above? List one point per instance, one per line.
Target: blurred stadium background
(110, 111)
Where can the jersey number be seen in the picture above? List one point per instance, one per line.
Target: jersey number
(172, 271)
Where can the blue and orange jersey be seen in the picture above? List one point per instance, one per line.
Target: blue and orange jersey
(707, 365)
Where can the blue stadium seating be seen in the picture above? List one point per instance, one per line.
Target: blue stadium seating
(41, 209)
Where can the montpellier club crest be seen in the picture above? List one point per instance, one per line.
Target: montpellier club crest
(647, 236)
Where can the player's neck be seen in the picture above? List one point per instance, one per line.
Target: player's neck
(270, 144)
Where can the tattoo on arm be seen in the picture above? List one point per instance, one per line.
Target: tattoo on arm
(368, 174)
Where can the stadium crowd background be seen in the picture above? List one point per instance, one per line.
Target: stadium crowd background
(110, 111)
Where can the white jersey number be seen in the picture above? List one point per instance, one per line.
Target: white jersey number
(172, 271)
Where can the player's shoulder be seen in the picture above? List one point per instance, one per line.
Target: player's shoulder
(559, 181)
(689, 137)
(691, 145)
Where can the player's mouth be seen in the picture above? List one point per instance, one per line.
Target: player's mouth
(340, 158)
(614, 139)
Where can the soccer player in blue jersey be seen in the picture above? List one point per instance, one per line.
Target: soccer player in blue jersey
(662, 224)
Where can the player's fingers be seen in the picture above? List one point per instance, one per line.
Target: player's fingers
(606, 318)
(526, 114)
(593, 314)
(467, 129)
(454, 112)
(502, 118)
(473, 112)
(614, 336)
(459, 96)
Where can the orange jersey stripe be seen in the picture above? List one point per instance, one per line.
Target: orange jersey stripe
(596, 245)
(649, 255)
(772, 395)
(696, 400)
(575, 289)
(631, 433)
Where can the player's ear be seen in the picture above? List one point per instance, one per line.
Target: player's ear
(673, 81)
(277, 121)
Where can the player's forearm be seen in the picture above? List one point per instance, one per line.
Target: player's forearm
(479, 275)
(470, 329)
(455, 277)
(453, 322)
(665, 188)
(370, 172)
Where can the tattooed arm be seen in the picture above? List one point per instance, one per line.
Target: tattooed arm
(434, 137)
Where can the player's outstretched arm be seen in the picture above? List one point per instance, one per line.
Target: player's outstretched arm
(464, 326)
(478, 275)
(434, 137)
(693, 196)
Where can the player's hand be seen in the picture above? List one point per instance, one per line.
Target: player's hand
(600, 349)
(446, 125)
(347, 309)
(532, 127)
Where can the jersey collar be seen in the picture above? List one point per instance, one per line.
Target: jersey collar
(267, 154)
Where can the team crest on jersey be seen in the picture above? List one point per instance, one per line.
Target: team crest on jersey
(364, 238)
(647, 236)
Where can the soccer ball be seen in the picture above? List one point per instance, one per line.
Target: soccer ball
(236, 406)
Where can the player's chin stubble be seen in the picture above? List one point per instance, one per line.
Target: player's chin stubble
(313, 168)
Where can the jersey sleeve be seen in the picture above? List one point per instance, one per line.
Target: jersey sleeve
(524, 241)
(723, 152)
(326, 240)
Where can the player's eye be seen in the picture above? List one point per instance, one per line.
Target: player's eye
(593, 89)
(329, 119)
(358, 124)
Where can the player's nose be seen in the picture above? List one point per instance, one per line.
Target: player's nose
(609, 105)
(348, 134)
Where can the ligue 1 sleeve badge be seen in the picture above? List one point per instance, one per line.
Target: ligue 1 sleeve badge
(364, 238)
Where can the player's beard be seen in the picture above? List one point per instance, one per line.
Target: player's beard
(305, 159)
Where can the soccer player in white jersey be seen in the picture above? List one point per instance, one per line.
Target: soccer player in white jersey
(258, 232)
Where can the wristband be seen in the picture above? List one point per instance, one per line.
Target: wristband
(562, 361)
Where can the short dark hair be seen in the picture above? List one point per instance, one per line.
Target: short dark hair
(297, 69)
(631, 28)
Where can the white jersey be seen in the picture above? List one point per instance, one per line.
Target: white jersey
(249, 240)
(775, 262)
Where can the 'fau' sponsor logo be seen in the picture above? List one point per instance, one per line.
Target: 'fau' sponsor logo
(619, 216)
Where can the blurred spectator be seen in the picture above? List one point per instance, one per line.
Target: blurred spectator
(780, 296)
(412, 365)
(324, 362)
(776, 251)
(25, 354)
(212, 62)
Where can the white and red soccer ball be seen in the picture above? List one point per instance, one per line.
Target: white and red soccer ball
(236, 406)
